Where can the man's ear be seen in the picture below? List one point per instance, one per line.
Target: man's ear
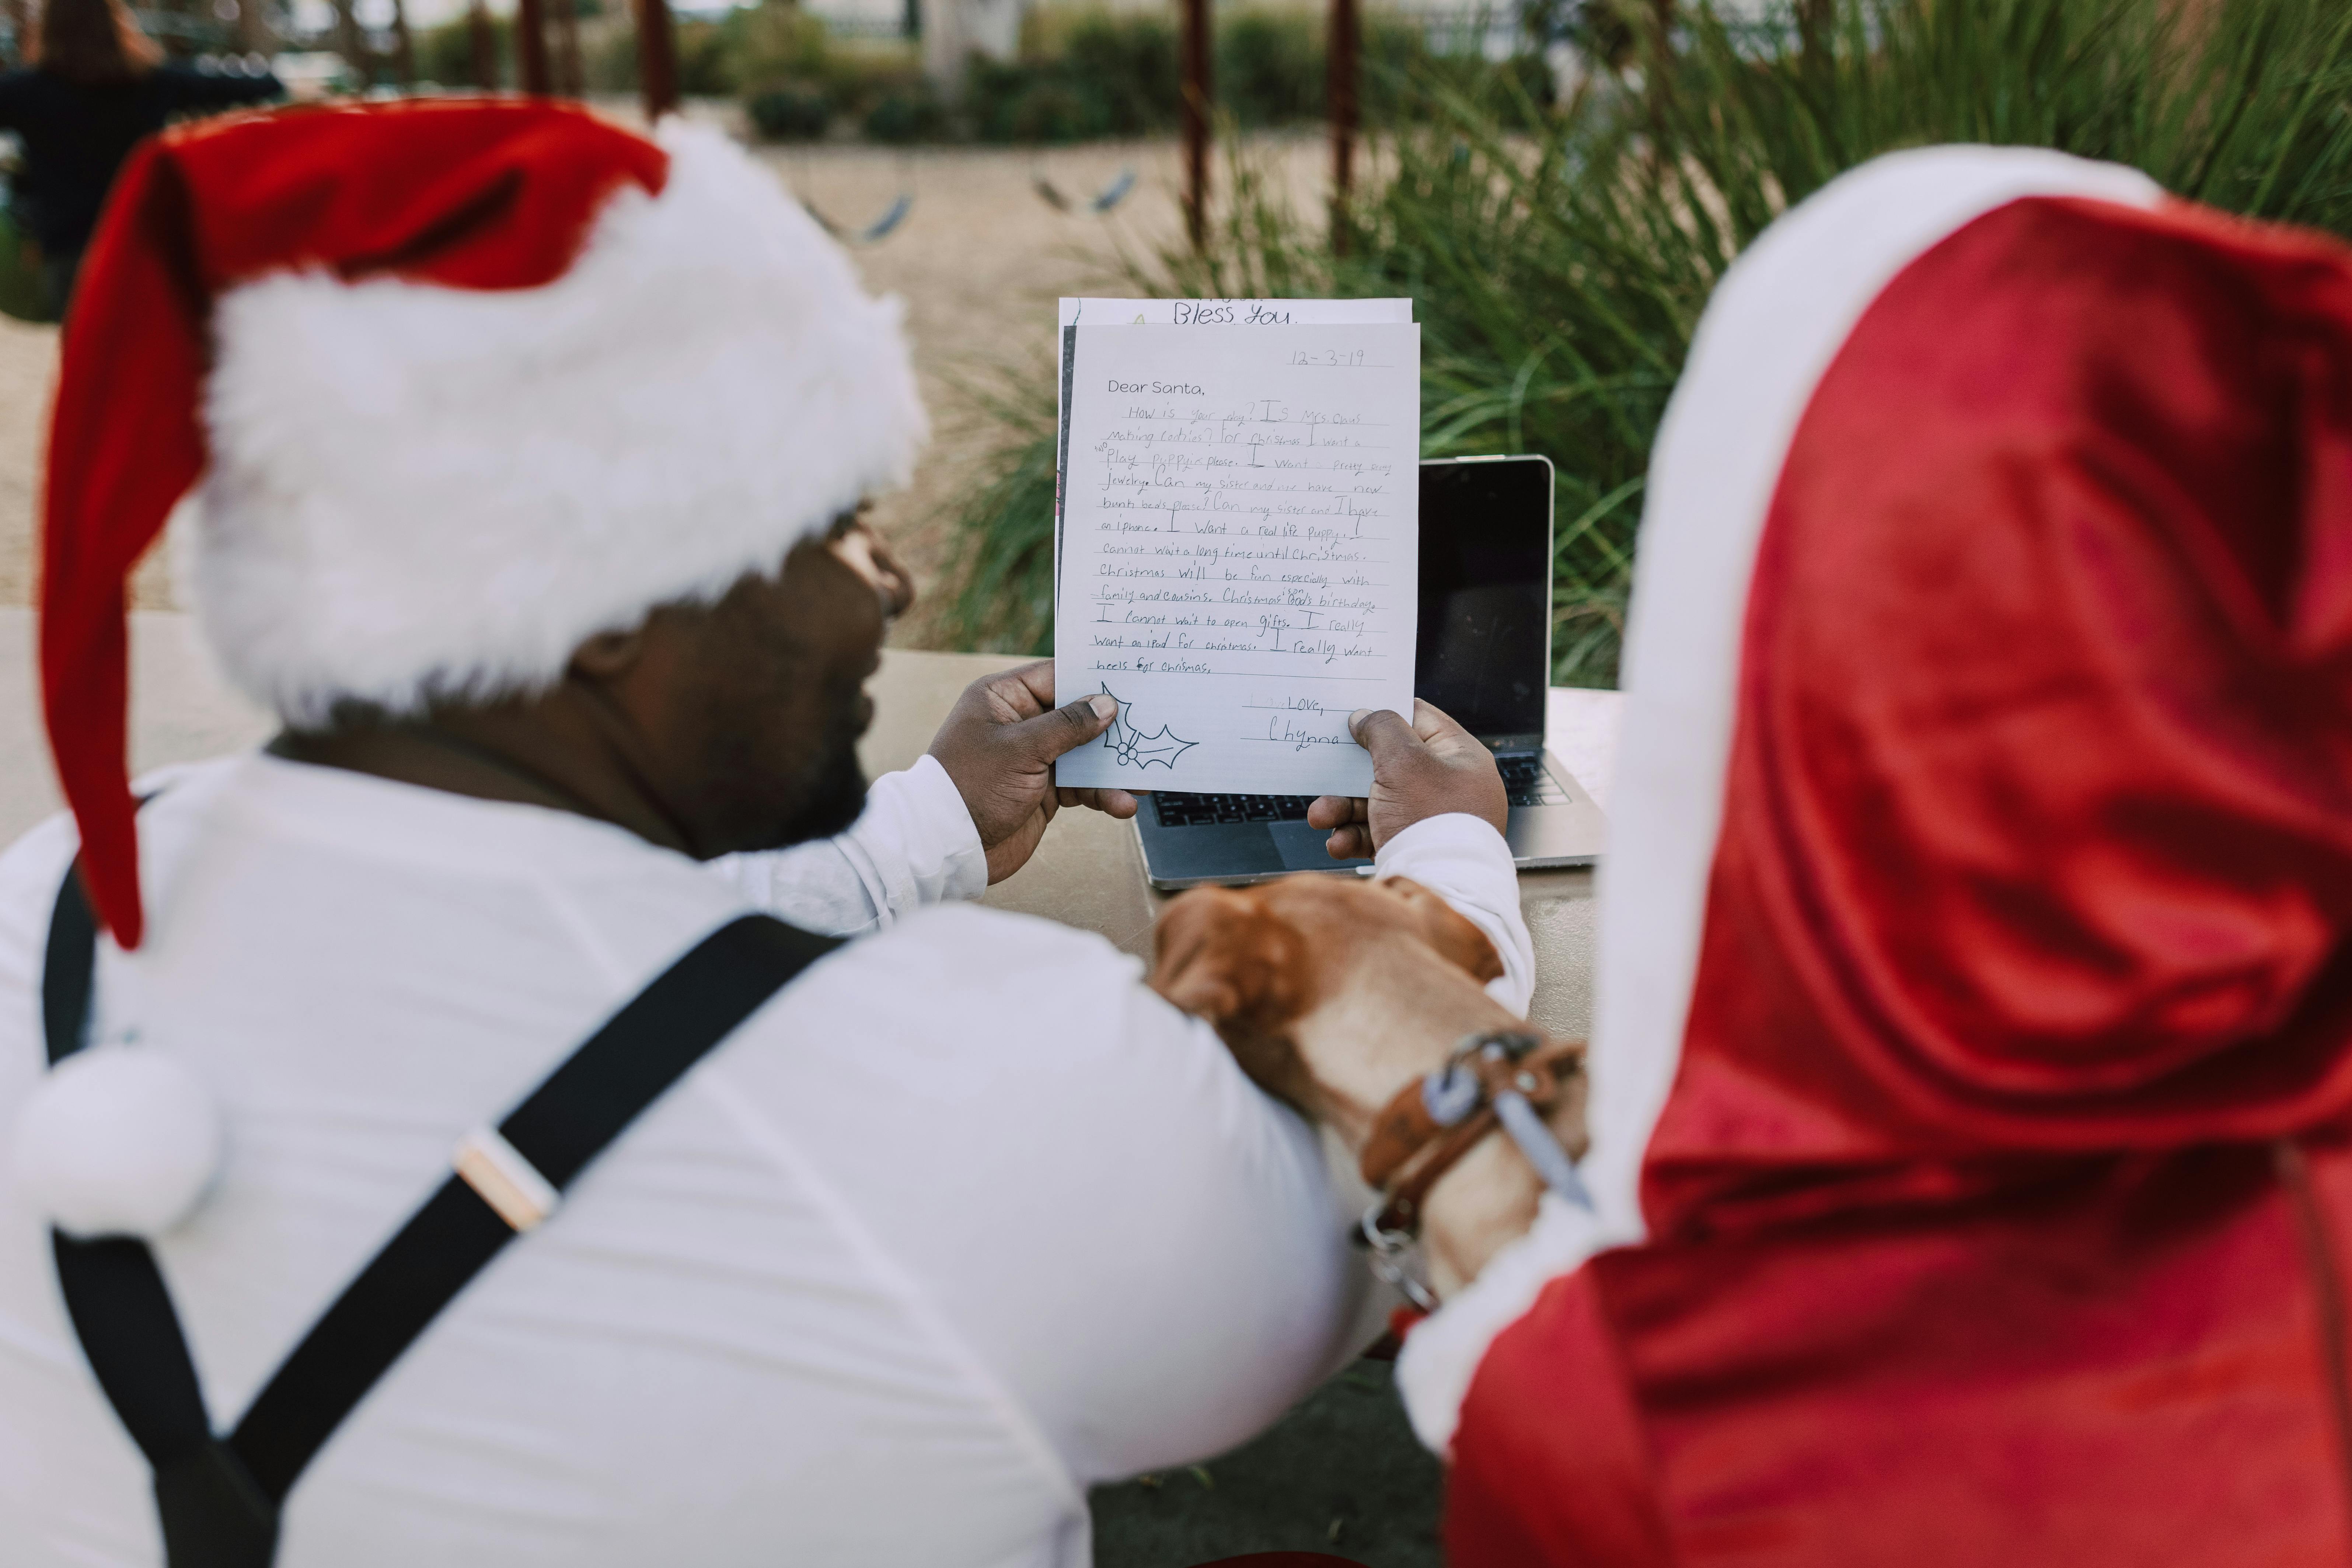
(608, 655)
(1219, 955)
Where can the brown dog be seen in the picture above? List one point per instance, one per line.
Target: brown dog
(1335, 992)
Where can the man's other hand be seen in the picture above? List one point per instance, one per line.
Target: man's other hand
(999, 744)
(1426, 768)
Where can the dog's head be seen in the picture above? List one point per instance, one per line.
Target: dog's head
(1259, 962)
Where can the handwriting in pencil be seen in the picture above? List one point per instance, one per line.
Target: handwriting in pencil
(1238, 548)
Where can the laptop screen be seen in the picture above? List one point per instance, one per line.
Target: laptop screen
(1485, 593)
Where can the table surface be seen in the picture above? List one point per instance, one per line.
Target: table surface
(1088, 872)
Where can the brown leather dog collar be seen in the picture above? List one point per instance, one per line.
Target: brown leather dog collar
(1435, 1119)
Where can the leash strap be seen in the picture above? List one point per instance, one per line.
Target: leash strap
(219, 1497)
(1501, 1078)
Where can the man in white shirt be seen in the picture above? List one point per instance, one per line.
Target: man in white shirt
(961, 1222)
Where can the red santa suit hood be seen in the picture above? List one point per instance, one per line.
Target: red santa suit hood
(1971, 1077)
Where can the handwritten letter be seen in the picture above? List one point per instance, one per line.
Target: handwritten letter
(1239, 545)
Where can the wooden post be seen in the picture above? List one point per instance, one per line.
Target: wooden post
(657, 57)
(1199, 96)
(531, 46)
(570, 80)
(404, 45)
(1341, 50)
(484, 38)
(1816, 21)
(252, 26)
(350, 42)
(1657, 66)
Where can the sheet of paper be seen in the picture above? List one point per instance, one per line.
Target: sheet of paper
(1239, 550)
(1094, 312)
(1240, 315)
(1244, 314)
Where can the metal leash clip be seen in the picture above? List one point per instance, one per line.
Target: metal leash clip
(1391, 1258)
(1453, 1091)
(1435, 1119)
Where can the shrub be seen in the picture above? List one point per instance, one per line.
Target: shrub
(789, 114)
(709, 57)
(1270, 65)
(990, 89)
(911, 113)
(1084, 73)
(22, 294)
(860, 73)
(788, 67)
(1051, 109)
(1128, 61)
(774, 43)
(1045, 99)
(609, 56)
(1001, 556)
(1558, 278)
(445, 52)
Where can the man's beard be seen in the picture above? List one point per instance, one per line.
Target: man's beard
(836, 794)
(832, 790)
(768, 795)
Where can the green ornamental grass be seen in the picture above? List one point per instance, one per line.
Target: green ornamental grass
(1558, 273)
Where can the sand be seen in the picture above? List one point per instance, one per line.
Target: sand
(979, 259)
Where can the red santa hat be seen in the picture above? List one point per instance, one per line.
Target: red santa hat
(1983, 787)
(462, 382)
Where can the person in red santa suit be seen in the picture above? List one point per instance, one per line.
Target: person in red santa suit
(1972, 1062)
(530, 452)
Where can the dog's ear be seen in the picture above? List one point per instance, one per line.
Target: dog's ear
(1191, 966)
(1448, 931)
(1219, 955)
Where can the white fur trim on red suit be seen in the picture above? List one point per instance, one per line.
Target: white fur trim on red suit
(1777, 320)
(419, 491)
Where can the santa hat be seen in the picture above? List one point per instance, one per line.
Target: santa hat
(1983, 784)
(465, 382)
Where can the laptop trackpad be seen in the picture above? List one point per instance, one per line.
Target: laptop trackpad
(1301, 849)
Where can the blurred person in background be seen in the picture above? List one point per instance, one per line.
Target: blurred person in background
(96, 85)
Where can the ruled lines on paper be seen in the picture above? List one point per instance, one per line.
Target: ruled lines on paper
(1239, 545)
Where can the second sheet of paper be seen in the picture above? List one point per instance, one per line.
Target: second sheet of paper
(1239, 549)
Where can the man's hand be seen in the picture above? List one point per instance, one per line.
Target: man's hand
(999, 744)
(1426, 768)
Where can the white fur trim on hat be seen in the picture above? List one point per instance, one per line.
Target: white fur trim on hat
(420, 492)
(1776, 322)
(118, 1141)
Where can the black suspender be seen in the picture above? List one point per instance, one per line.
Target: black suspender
(220, 1497)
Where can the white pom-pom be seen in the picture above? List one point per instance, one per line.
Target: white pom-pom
(118, 1141)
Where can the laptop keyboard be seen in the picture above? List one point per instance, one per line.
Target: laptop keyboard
(1528, 783)
(1178, 810)
(1525, 781)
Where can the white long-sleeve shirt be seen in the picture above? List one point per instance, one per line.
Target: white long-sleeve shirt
(962, 1222)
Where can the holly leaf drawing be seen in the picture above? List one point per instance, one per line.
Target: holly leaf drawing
(1115, 738)
(1161, 747)
(1130, 746)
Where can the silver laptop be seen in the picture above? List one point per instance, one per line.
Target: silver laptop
(1484, 655)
